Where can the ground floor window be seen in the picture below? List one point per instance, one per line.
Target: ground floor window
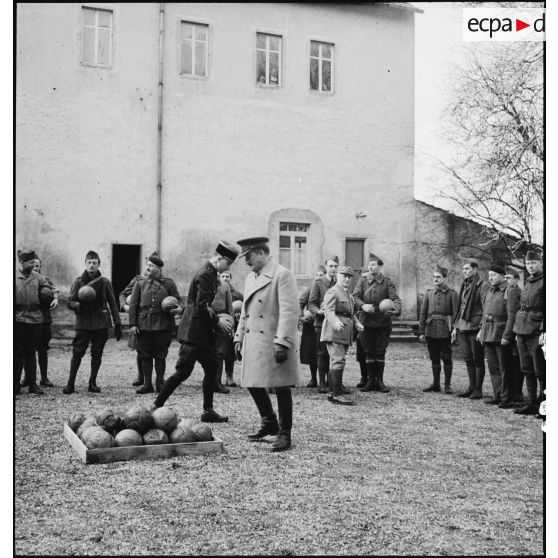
(294, 247)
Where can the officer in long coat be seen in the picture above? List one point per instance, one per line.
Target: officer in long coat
(496, 332)
(266, 339)
(152, 324)
(197, 330)
(435, 326)
(369, 292)
(529, 327)
(93, 320)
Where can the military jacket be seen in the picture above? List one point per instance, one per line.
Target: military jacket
(127, 291)
(439, 306)
(500, 305)
(339, 304)
(477, 292)
(529, 319)
(372, 290)
(222, 303)
(27, 302)
(145, 305)
(317, 292)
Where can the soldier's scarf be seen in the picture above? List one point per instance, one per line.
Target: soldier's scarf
(471, 295)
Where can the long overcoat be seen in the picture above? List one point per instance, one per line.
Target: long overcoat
(269, 315)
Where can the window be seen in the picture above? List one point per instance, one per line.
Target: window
(268, 59)
(321, 58)
(96, 37)
(193, 49)
(293, 247)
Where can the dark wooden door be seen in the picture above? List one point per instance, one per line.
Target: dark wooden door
(354, 256)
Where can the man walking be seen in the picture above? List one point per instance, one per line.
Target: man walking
(369, 292)
(153, 324)
(467, 325)
(93, 319)
(197, 329)
(496, 333)
(435, 326)
(266, 340)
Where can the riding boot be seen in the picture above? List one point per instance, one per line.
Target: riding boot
(147, 367)
(530, 408)
(371, 382)
(380, 376)
(269, 424)
(95, 365)
(337, 396)
(74, 367)
(219, 387)
(322, 381)
(32, 375)
(139, 380)
(479, 379)
(160, 366)
(435, 385)
(362, 364)
(285, 408)
(472, 380)
(313, 379)
(448, 369)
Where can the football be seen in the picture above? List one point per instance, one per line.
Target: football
(98, 438)
(46, 294)
(168, 303)
(227, 318)
(107, 419)
(165, 419)
(182, 435)
(386, 305)
(202, 432)
(237, 306)
(128, 437)
(88, 431)
(154, 437)
(75, 421)
(86, 294)
(138, 418)
(84, 425)
(128, 298)
(186, 423)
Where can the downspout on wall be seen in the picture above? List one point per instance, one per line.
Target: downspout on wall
(160, 126)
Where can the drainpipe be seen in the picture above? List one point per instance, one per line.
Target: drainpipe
(160, 125)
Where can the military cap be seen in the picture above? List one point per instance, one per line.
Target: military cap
(155, 259)
(332, 258)
(497, 267)
(249, 244)
(345, 270)
(533, 256)
(92, 255)
(512, 271)
(443, 271)
(227, 250)
(26, 255)
(373, 258)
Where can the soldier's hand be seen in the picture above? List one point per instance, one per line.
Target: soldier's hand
(118, 332)
(238, 350)
(134, 330)
(53, 304)
(542, 338)
(77, 307)
(422, 338)
(177, 310)
(454, 336)
(225, 326)
(126, 307)
(359, 327)
(504, 342)
(280, 353)
(339, 325)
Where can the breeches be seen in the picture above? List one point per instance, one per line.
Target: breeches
(531, 355)
(375, 341)
(337, 353)
(439, 349)
(473, 351)
(154, 344)
(98, 338)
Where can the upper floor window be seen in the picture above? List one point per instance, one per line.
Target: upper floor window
(96, 37)
(268, 59)
(321, 59)
(293, 247)
(193, 49)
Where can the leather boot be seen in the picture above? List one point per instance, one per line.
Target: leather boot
(42, 359)
(313, 383)
(479, 379)
(74, 367)
(322, 388)
(380, 376)
(139, 380)
(147, 367)
(435, 385)
(448, 369)
(472, 380)
(337, 396)
(363, 374)
(160, 366)
(269, 424)
(268, 427)
(371, 383)
(219, 387)
(530, 408)
(95, 365)
(32, 376)
(285, 411)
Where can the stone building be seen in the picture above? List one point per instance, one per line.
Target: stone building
(293, 120)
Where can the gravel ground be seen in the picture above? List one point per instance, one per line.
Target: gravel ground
(403, 473)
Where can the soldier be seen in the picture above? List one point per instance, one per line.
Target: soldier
(315, 305)
(337, 330)
(308, 343)
(496, 332)
(222, 304)
(48, 303)
(266, 340)
(152, 324)
(369, 292)
(435, 326)
(93, 319)
(510, 351)
(529, 327)
(360, 352)
(28, 318)
(196, 332)
(226, 276)
(467, 324)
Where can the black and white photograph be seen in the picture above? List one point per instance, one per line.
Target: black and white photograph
(280, 279)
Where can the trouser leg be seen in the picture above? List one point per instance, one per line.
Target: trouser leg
(147, 369)
(98, 340)
(19, 354)
(508, 379)
(160, 367)
(433, 347)
(42, 352)
(361, 358)
(183, 369)
(478, 360)
(139, 380)
(493, 358)
(467, 353)
(285, 409)
(209, 363)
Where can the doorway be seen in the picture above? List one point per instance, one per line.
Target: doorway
(354, 257)
(126, 264)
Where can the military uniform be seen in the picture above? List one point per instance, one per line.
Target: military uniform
(439, 306)
(122, 300)
(510, 355)
(308, 342)
(93, 320)
(529, 324)
(467, 323)
(372, 289)
(224, 349)
(498, 318)
(155, 326)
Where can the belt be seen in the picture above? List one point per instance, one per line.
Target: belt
(28, 307)
(439, 316)
(501, 319)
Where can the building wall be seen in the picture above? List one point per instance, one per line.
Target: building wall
(234, 154)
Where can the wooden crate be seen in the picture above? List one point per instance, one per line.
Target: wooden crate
(107, 455)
